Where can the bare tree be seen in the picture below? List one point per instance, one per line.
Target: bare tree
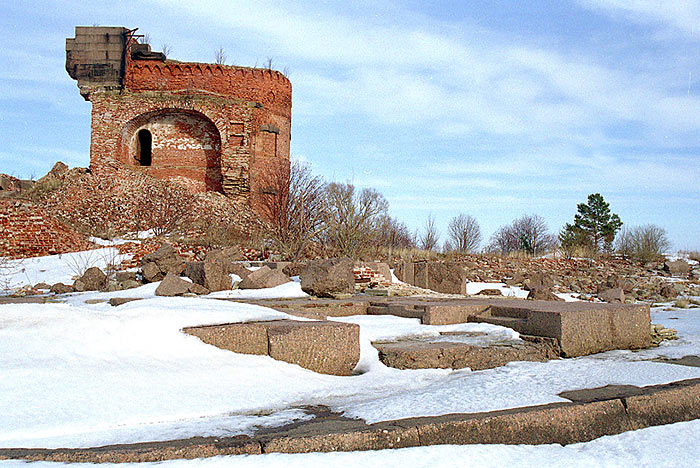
(645, 243)
(528, 234)
(145, 39)
(268, 63)
(166, 49)
(394, 234)
(220, 56)
(464, 234)
(430, 236)
(353, 218)
(294, 206)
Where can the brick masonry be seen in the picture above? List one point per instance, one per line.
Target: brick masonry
(210, 127)
(28, 231)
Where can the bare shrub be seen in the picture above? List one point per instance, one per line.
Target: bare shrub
(464, 234)
(162, 206)
(293, 204)
(7, 269)
(353, 218)
(107, 259)
(645, 243)
(430, 236)
(106, 206)
(528, 234)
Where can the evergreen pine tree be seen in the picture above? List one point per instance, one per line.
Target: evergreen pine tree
(595, 220)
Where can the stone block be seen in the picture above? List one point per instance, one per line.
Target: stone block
(404, 271)
(166, 259)
(448, 314)
(317, 309)
(612, 295)
(175, 286)
(321, 346)
(597, 329)
(581, 328)
(542, 295)
(262, 278)
(246, 338)
(328, 278)
(216, 276)
(93, 279)
(449, 355)
(123, 276)
(151, 273)
(172, 286)
(677, 267)
(60, 288)
(117, 301)
(420, 275)
(195, 272)
(449, 278)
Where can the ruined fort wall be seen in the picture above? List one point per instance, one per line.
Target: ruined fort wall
(214, 128)
(29, 231)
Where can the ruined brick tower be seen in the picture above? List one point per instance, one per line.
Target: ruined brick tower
(207, 126)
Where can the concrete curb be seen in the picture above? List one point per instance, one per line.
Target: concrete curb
(607, 411)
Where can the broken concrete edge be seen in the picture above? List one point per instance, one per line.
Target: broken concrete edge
(629, 408)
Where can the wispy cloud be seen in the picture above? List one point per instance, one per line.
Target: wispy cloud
(430, 78)
(683, 15)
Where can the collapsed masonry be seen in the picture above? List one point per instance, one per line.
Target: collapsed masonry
(209, 127)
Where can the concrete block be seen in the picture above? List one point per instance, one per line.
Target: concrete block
(321, 346)
(246, 338)
(448, 355)
(404, 271)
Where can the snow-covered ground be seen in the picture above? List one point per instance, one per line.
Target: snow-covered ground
(75, 375)
(56, 268)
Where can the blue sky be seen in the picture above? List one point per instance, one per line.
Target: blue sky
(491, 108)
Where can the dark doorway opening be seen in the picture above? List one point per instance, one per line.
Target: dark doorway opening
(145, 143)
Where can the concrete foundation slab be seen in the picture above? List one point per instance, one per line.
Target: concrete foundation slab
(580, 328)
(414, 354)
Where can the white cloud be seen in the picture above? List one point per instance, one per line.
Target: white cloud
(683, 15)
(430, 77)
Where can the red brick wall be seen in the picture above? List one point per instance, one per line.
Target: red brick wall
(27, 231)
(186, 148)
(215, 128)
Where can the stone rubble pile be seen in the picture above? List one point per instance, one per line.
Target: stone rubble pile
(660, 333)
